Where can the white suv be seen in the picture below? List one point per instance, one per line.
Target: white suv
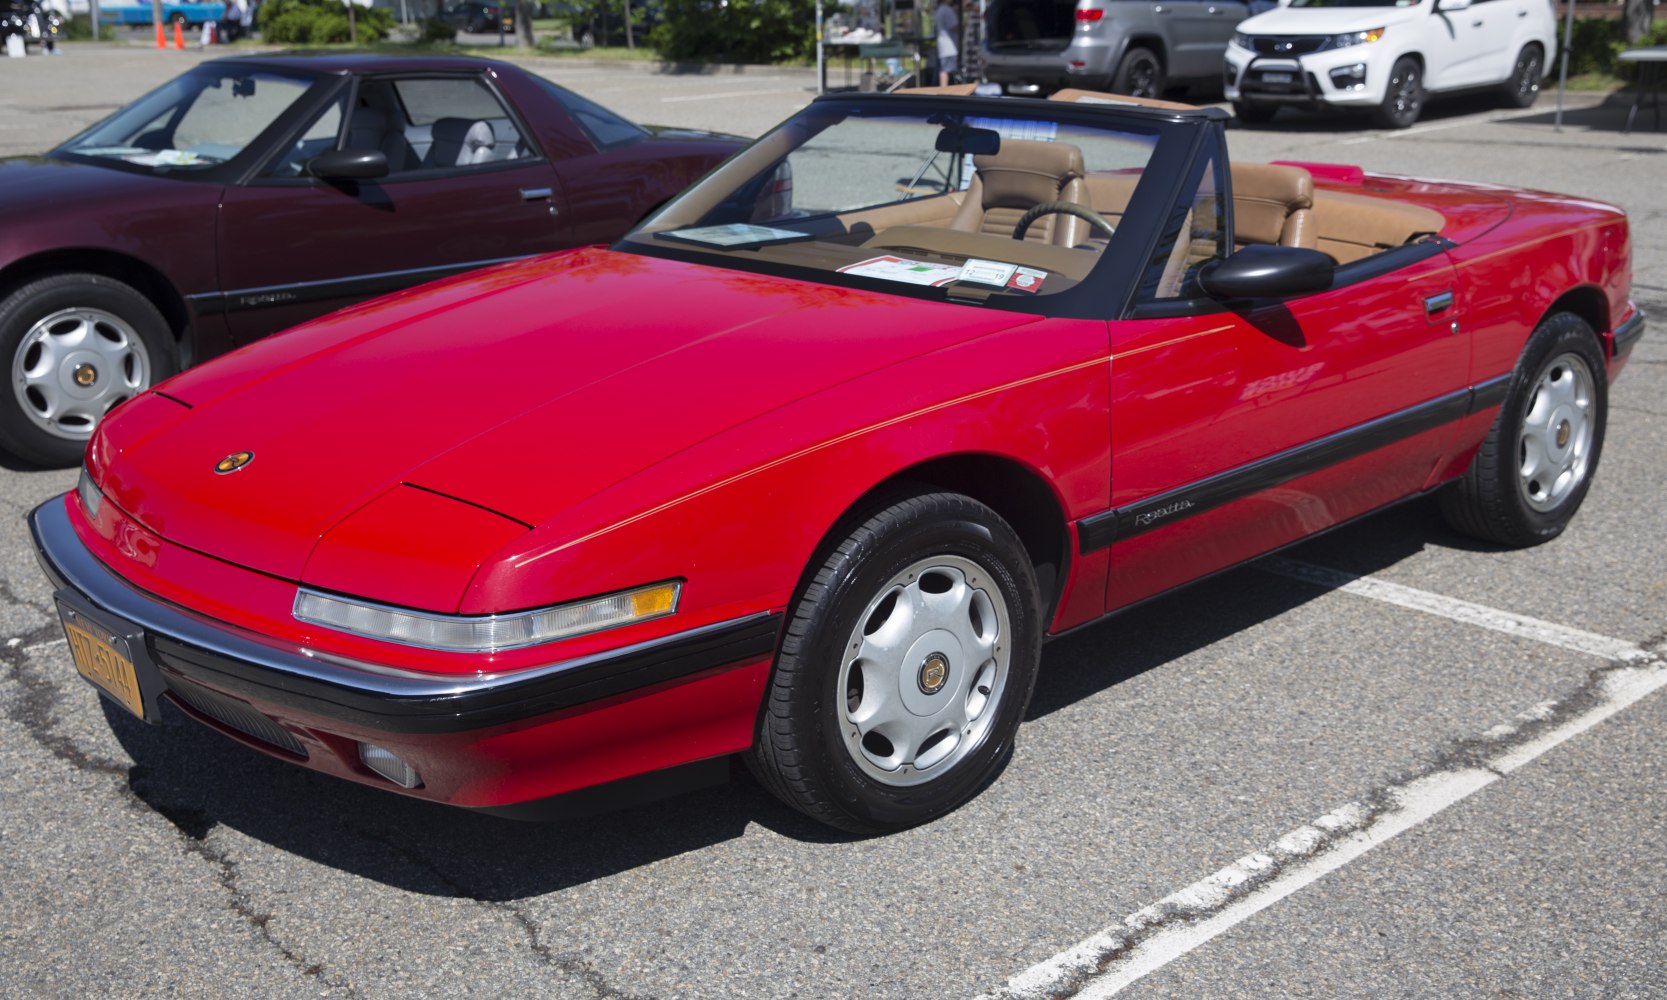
(1386, 55)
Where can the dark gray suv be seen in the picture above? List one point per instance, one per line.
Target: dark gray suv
(1138, 47)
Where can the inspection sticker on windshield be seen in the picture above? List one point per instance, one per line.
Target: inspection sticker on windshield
(1027, 279)
(987, 272)
(911, 272)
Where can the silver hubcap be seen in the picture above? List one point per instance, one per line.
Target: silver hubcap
(1556, 445)
(73, 366)
(924, 671)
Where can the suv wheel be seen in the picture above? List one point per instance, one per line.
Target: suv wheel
(1404, 98)
(1140, 74)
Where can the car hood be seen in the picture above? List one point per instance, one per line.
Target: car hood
(515, 391)
(49, 186)
(1327, 20)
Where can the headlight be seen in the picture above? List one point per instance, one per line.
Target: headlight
(1351, 38)
(1242, 40)
(90, 496)
(487, 633)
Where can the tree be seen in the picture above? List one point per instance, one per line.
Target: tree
(1638, 16)
(525, 11)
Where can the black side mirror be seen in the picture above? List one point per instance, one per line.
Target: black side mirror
(1262, 271)
(349, 164)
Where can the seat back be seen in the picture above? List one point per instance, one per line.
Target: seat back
(460, 142)
(1273, 204)
(370, 128)
(1021, 175)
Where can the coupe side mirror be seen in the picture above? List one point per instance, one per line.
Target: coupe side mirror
(1262, 271)
(349, 164)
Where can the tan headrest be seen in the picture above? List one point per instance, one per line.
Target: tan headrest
(1264, 197)
(1024, 172)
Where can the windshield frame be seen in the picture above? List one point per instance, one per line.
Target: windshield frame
(1103, 293)
(319, 89)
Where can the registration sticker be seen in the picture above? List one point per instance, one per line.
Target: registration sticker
(1027, 279)
(987, 272)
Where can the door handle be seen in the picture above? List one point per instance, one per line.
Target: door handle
(1160, 9)
(535, 194)
(1438, 303)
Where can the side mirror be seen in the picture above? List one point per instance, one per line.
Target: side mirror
(1261, 271)
(349, 164)
(1446, 5)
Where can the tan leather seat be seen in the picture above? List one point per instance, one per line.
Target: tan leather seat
(1021, 175)
(1273, 204)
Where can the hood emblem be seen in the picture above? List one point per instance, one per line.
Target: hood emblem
(231, 463)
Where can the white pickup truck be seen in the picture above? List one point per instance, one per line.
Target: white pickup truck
(1386, 56)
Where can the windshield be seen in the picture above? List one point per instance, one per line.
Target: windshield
(983, 206)
(193, 122)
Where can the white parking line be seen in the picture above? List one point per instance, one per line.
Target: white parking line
(1145, 941)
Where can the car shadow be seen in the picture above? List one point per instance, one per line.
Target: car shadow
(199, 780)
(1328, 120)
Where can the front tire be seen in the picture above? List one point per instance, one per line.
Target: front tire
(1403, 99)
(1537, 462)
(1140, 74)
(1523, 88)
(905, 669)
(78, 345)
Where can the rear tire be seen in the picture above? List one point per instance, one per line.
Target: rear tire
(1537, 462)
(904, 670)
(1523, 88)
(1403, 100)
(1140, 74)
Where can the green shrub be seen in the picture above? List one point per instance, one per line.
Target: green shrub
(1597, 41)
(435, 30)
(741, 31)
(320, 22)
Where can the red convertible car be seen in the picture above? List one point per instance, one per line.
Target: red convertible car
(807, 467)
(253, 193)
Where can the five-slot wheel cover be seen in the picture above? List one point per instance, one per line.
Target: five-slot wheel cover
(924, 671)
(73, 365)
(1555, 446)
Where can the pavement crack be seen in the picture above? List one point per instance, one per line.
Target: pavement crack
(568, 962)
(35, 708)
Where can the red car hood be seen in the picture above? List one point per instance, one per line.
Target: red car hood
(522, 390)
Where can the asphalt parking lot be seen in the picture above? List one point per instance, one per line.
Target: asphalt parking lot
(1438, 765)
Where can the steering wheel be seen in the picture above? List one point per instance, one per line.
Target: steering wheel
(1060, 208)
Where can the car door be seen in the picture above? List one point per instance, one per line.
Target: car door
(1237, 430)
(466, 187)
(1198, 32)
(1465, 38)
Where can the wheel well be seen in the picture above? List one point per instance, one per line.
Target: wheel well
(1015, 492)
(1586, 302)
(134, 273)
(1151, 43)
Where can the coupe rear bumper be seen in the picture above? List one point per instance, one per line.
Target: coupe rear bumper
(469, 731)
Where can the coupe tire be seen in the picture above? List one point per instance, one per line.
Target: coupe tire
(904, 670)
(78, 344)
(1140, 74)
(1534, 467)
(1523, 88)
(1403, 100)
(1253, 114)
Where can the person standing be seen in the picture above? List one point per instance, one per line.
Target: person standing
(949, 35)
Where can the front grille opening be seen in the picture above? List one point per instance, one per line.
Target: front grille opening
(237, 715)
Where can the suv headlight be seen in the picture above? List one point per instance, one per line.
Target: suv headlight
(487, 633)
(1242, 40)
(1352, 38)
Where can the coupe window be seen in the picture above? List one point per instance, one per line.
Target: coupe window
(987, 208)
(196, 121)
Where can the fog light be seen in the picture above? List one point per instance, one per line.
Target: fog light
(1349, 77)
(388, 765)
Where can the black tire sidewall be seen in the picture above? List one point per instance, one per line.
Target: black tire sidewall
(965, 529)
(1387, 116)
(1561, 334)
(1513, 87)
(25, 305)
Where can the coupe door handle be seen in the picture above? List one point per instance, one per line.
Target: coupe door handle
(1438, 303)
(535, 194)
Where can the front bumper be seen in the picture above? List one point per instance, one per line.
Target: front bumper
(1252, 78)
(478, 740)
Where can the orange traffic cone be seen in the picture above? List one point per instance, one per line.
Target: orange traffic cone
(179, 37)
(161, 39)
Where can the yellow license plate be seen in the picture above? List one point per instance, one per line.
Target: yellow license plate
(104, 660)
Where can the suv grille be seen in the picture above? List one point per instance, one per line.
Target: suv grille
(1288, 45)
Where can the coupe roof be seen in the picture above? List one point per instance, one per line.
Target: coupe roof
(325, 62)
